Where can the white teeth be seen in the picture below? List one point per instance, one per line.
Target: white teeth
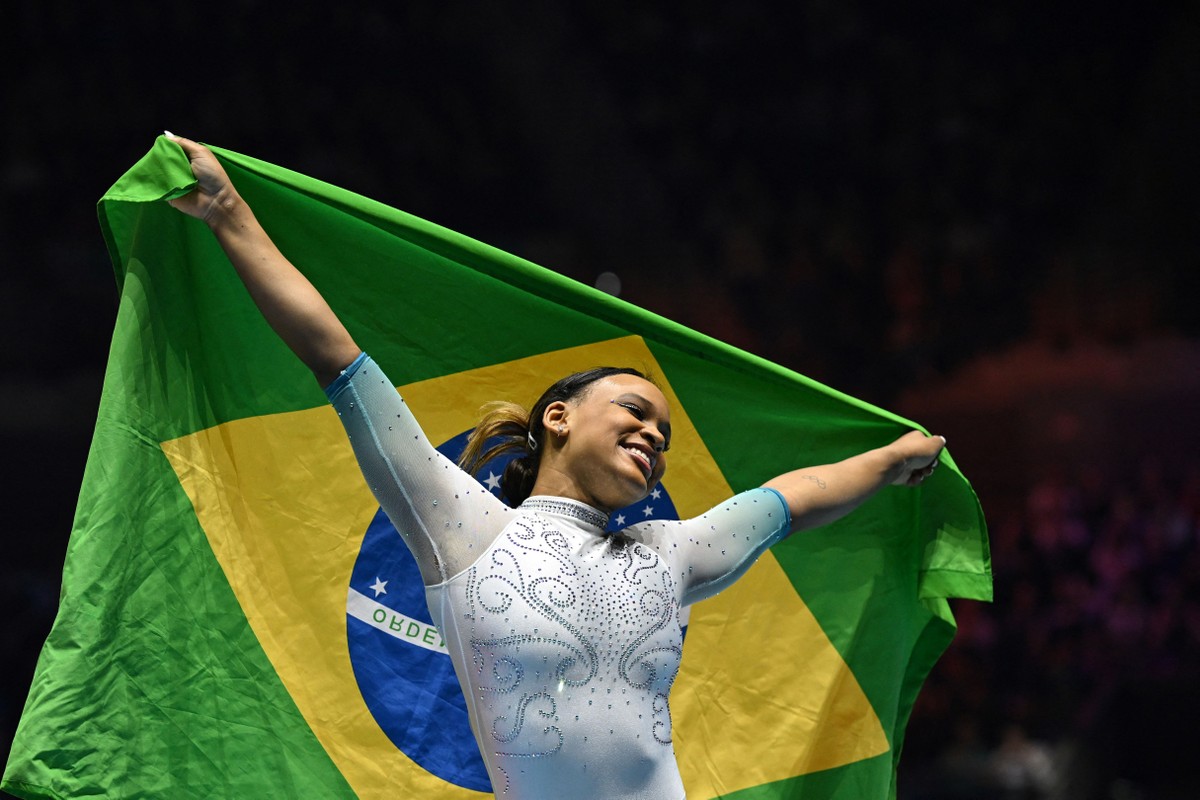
(641, 455)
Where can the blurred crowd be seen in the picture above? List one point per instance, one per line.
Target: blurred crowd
(875, 195)
(1083, 674)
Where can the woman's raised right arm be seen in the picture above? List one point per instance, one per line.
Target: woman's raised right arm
(291, 305)
(445, 517)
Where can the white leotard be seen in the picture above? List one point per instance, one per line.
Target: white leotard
(566, 640)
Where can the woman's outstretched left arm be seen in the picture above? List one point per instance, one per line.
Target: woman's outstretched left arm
(819, 495)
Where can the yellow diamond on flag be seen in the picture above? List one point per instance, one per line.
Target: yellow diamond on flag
(285, 508)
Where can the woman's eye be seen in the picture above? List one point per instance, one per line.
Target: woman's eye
(637, 412)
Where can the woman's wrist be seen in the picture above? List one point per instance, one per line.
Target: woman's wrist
(893, 460)
(227, 209)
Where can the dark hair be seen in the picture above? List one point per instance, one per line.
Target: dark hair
(523, 431)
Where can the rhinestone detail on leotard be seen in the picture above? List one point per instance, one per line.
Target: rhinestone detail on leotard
(557, 505)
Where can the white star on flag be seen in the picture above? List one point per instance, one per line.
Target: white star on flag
(656, 494)
(492, 481)
(379, 586)
(620, 520)
(647, 511)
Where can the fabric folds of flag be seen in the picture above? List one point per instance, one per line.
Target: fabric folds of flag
(235, 621)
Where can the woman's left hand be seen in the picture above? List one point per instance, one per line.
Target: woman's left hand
(917, 457)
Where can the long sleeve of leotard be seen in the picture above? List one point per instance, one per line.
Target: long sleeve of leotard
(445, 516)
(711, 551)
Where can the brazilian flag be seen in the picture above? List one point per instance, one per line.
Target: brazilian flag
(237, 619)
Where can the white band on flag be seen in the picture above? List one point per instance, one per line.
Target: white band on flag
(380, 617)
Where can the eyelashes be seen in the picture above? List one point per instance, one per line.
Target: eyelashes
(633, 409)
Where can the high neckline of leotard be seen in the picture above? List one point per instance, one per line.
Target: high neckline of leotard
(566, 507)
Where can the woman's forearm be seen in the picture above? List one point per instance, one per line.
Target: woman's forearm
(289, 302)
(822, 494)
(819, 495)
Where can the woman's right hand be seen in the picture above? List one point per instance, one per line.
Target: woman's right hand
(214, 191)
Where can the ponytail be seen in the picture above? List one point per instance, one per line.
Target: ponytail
(510, 423)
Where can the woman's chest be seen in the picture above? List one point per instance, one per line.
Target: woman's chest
(554, 606)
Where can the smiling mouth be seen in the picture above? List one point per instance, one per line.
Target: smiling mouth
(644, 461)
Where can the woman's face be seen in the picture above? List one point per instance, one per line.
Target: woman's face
(615, 439)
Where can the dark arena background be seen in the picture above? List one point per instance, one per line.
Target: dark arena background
(981, 215)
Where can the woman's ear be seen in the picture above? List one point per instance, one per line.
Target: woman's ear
(555, 416)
